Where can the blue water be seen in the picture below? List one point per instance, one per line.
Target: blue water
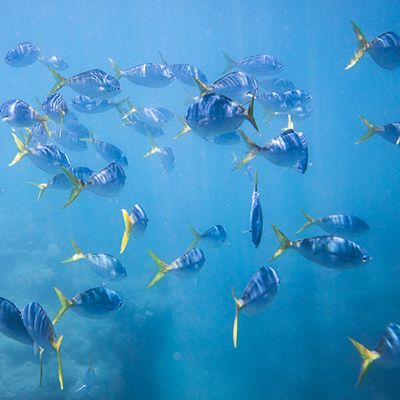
(174, 341)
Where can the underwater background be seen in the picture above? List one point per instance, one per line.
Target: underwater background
(174, 341)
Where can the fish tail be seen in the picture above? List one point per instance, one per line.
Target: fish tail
(77, 186)
(204, 89)
(371, 130)
(56, 346)
(186, 128)
(250, 113)
(163, 268)
(132, 110)
(310, 221)
(78, 255)
(285, 243)
(363, 46)
(236, 320)
(60, 81)
(43, 120)
(41, 365)
(290, 124)
(118, 105)
(127, 231)
(22, 150)
(368, 357)
(229, 63)
(250, 155)
(196, 236)
(118, 71)
(154, 149)
(65, 305)
(42, 188)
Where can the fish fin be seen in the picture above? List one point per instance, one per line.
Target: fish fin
(368, 357)
(363, 46)
(196, 235)
(290, 124)
(60, 81)
(42, 188)
(163, 268)
(371, 130)
(163, 60)
(154, 149)
(22, 150)
(118, 71)
(80, 388)
(127, 231)
(43, 120)
(118, 105)
(79, 254)
(41, 365)
(77, 186)
(235, 158)
(285, 243)
(27, 136)
(204, 89)
(65, 305)
(310, 221)
(236, 320)
(250, 155)
(229, 63)
(250, 113)
(56, 346)
(186, 128)
(132, 110)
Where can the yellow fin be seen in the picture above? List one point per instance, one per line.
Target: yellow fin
(204, 89)
(22, 150)
(65, 305)
(310, 221)
(368, 357)
(238, 306)
(42, 188)
(363, 46)
(127, 231)
(60, 82)
(197, 238)
(162, 266)
(285, 243)
(56, 346)
(77, 186)
(186, 128)
(250, 155)
(79, 255)
(118, 71)
(371, 130)
(250, 113)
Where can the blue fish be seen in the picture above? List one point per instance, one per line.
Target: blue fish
(41, 330)
(259, 65)
(22, 55)
(259, 292)
(329, 251)
(135, 223)
(47, 157)
(389, 132)
(338, 224)
(213, 237)
(93, 83)
(386, 353)
(96, 303)
(88, 105)
(384, 49)
(106, 183)
(107, 151)
(215, 114)
(184, 266)
(284, 102)
(37, 134)
(150, 75)
(55, 62)
(70, 140)
(299, 113)
(278, 85)
(104, 265)
(225, 139)
(55, 107)
(88, 380)
(155, 117)
(11, 323)
(72, 124)
(248, 169)
(142, 127)
(256, 215)
(165, 154)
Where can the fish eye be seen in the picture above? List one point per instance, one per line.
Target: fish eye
(120, 303)
(365, 259)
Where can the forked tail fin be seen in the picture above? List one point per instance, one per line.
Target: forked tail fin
(371, 130)
(285, 243)
(162, 266)
(310, 221)
(363, 46)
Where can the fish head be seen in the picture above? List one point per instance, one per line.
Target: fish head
(365, 257)
(277, 66)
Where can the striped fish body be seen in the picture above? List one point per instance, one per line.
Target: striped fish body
(214, 236)
(260, 65)
(22, 55)
(256, 218)
(186, 73)
(139, 221)
(167, 159)
(38, 134)
(55, 107)
(88, 105)
(144, 128)
(188, 264)
(273, 101)
(278, 85)
(391, 132)
(151, 75)
(49, 158)
(106, 266)
(55, 62)
(110, 153)
(108, 182)
(153, 116)
(385, 50)
(61, 182)
(296, 98)
(389, 347)
(19, 114)
(342, 225)
(225, 139)
(70, 140)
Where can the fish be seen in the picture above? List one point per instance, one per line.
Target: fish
(37, 134)
(288, 149)
(47, 157)
(70, 140)
(152, 75)
(225, 139)
(135, 223)
(184, 266)
(329, 251)
(95, 303)
(238, 86)
(256, 215)
(387, 352)
(259, 65)
(299, 113)
(390, 132)
(41, 330)
(55, 107)
(55, 62)
(104, 265)
(384, 49)
(155, 117)
(215, 114)
(165, 155)
(143, 127)
(61, 182)
(213, 237)
(248, 168)
(284, 102)
(72, 124)
(338, 224)
(22, 55)
(11, 324)
(19, 114)
(94, 83)
(259, 292)
(89, 380)
(106, 183)
(278, 85)
(88, 105)
(107, 151)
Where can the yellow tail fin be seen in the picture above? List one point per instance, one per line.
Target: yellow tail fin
(371, 130)
(42, 188)
(128, 226)
(65, 305)
(77, 186)
(285, 243)
(163, 268)
(22, 150)
(186, 128)
(56, 346)
(197, 238)
(250, 155)
(60, 82)
(238, 306)
(132, 110)
(363, 46)
(154, 149)
(310, 221)
(79, 254)
(368, 357)
(204, 89)
(118, 71)
(250, 113)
